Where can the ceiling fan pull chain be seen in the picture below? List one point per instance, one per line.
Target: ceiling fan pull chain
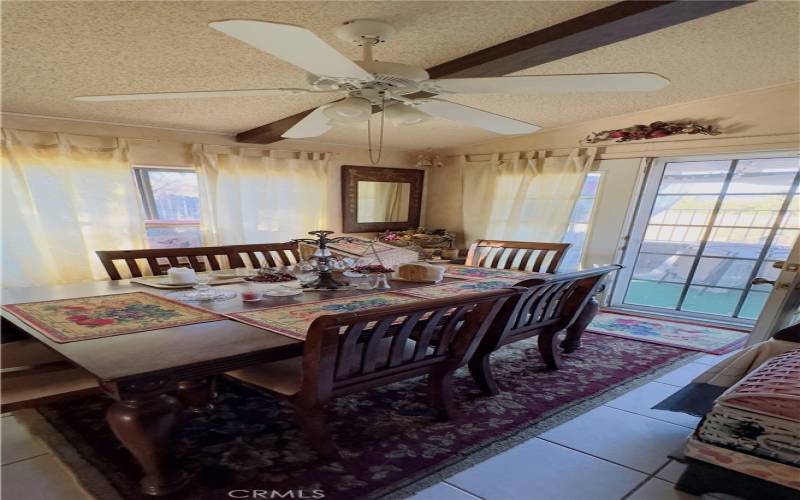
(377, 160)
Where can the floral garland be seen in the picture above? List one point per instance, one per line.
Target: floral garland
(652, 131)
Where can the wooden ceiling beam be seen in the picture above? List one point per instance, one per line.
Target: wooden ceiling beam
(615, 23)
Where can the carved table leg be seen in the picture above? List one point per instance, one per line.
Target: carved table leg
(573, 338)
(144, 427)
(196, 395)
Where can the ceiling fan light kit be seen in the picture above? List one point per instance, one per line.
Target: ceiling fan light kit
(349, 110)
(403, 92)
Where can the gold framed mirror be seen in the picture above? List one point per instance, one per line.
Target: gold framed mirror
(377, 198)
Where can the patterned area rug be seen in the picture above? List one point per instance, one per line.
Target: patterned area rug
(391, 445)
(683, 334)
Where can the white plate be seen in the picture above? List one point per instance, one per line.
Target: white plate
(169, 283)
(252, 300)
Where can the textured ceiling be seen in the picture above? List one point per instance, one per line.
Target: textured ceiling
(53, 51)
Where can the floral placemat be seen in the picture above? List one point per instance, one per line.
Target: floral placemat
(293, 321)
(71, 320)
(479, 273)
(460, 288)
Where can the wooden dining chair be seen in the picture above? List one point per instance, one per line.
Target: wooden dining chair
(351, 352)
(548, 307)
(31, 374)
(531, 256)
(158, 260)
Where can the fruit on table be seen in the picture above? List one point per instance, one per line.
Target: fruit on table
(372, 269)
(271, 278)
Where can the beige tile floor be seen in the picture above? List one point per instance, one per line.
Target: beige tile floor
(586, 458)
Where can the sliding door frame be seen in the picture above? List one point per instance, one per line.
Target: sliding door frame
(642, 219)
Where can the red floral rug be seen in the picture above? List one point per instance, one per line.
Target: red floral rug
(391, 445)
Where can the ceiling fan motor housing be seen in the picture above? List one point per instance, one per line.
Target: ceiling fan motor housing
(394, 78)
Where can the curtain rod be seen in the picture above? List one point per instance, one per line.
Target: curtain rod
(548, 153)
(185, 143)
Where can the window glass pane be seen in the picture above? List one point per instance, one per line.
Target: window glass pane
(166, 236)
(764, 175)
(673, 240)
(753, 305)
(648, 293)
(782, 244)
(583, 210)
(792, 216)
(577, 236)
(662, 267)
(682, 209)
(709, 300)
(591, 184)
(736, 242)
(579, 222)
(768, 272)
(745, 211)
(694, 177)
(175, 194)
(723, 272)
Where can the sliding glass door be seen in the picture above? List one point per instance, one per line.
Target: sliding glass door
(707, 227)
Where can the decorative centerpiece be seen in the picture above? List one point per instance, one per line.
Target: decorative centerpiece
(652, 131)
(323, 257)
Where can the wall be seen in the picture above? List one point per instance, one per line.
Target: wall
(169, 147)
(758, 120)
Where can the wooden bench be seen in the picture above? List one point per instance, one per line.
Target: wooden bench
(32, 374)
(350, 352)
(548, 307)
(158, 260)
(531, 256)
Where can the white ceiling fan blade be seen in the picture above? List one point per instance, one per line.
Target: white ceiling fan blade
(295, 45)
(475, 117)
(157, 96)
(601, 82)
(313, 125)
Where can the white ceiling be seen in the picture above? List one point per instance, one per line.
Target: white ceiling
(53, 51)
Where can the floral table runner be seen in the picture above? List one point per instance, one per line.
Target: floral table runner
(293, 321)
(460, 288)
(71, 320)
(479, 273)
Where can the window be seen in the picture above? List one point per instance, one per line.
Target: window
(579, 221)
(172, 206)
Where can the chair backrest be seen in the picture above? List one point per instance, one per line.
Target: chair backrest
(534, 256)
(353, 351)
(158, 260)
(548, 303)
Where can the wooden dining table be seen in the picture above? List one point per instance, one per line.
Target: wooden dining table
(152, 376)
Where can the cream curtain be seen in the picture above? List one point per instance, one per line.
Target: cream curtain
(63, 197)
(527, 197)
(251, 196)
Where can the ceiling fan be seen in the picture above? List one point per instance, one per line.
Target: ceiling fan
(404, 93)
